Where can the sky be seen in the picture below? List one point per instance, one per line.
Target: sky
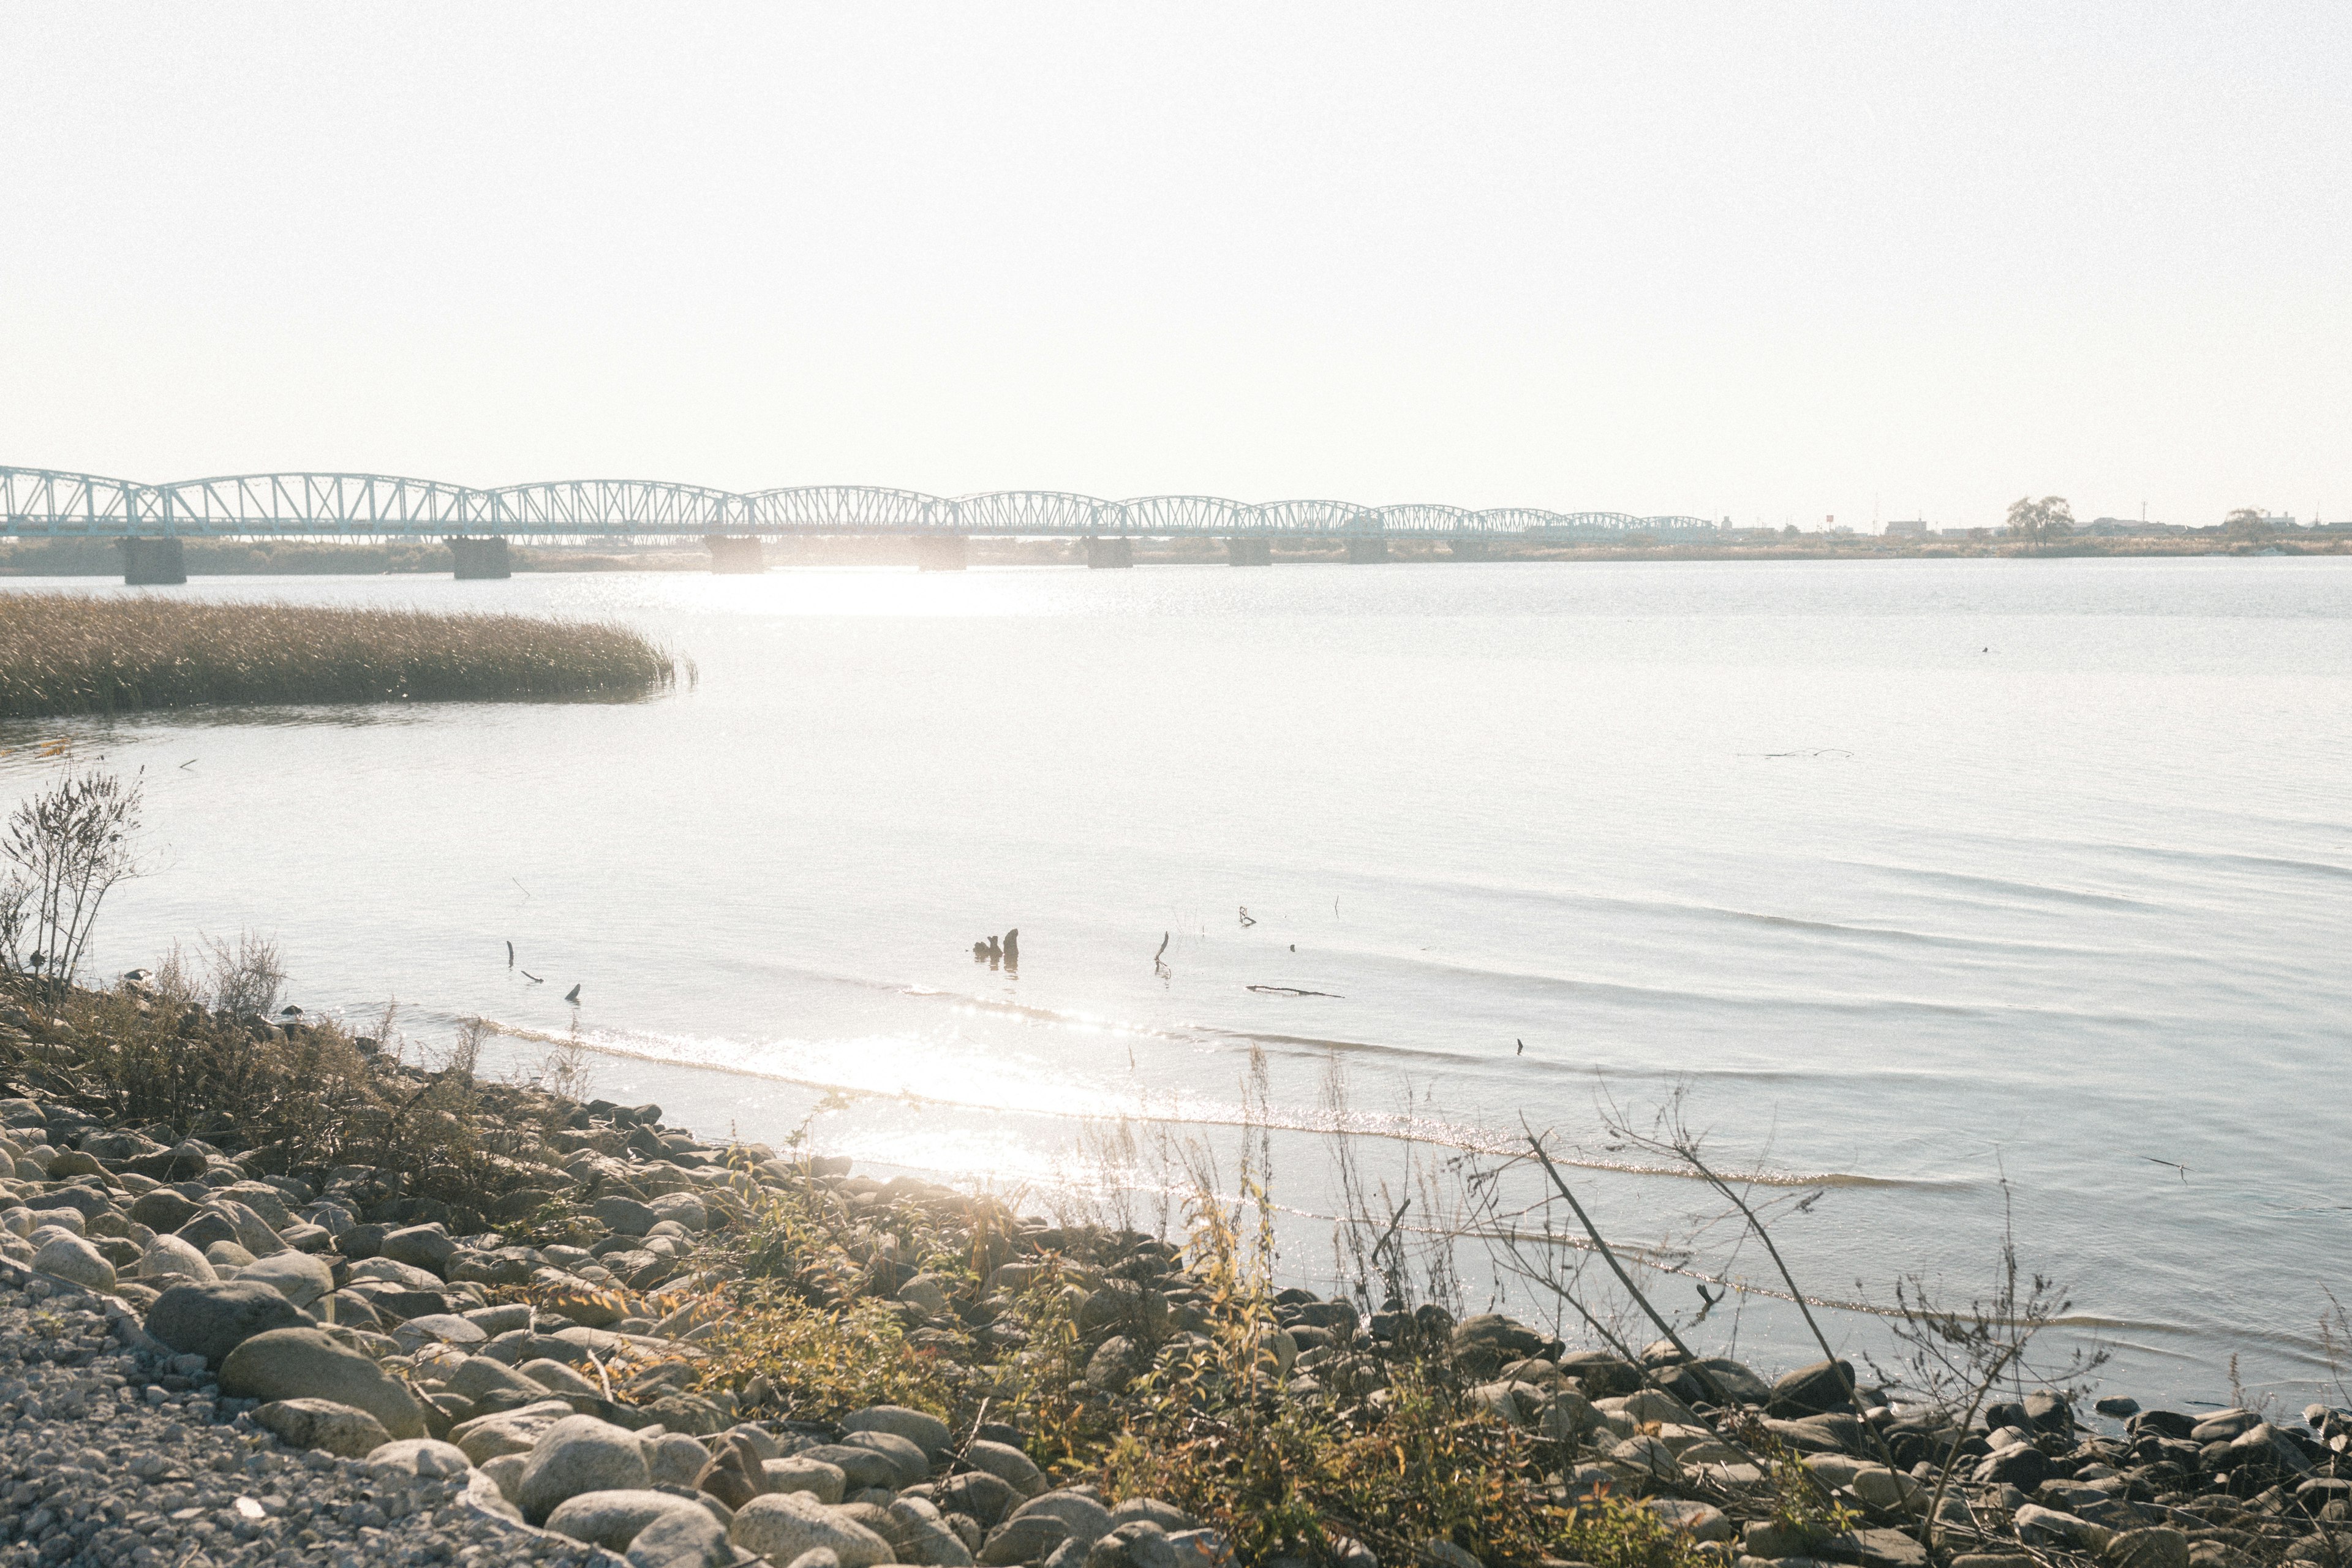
(1777, 263)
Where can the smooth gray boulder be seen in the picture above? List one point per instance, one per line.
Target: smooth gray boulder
(860, 1466)
(206, 1229)
(579, 1454)
(496, 1321)
(927, 1432)
(212, 1318)
(799, 1474)
(1006, 1463)
(255, 1233)
(263, 1199)
(924, 1537)
(1735, 1381)
(517, 1431)
(425, 1246)
(1086, 1518)
(1166, 1515)
(417, 1456)
(227, 1258)
(393, 1271)
(342, 1430)
(623, 1217)
(615, 1518)
(169, 1258)
(554, 1374)
(674, 1458)
(297, 1276)
(69, 1258)
(1140, 1543)
(162, 1210)
(683, 1208)
(782, 1526)
(413, 1335)
(909, 1465)
(682, 1537)
(1018, 1541)
(478, 1375)
(304, 1363)
(1823, 1386)
(978, 1495)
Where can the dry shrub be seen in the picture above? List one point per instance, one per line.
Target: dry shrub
(300, 1094)
(75, 652)
(142, 1059)
(797, 1328)
(819, 1363)
(1415, 1459)
(67, 846)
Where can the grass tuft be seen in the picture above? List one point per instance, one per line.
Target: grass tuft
(76, 653)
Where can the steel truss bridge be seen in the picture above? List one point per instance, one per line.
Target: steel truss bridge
(45, 503)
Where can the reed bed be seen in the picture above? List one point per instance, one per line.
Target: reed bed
(76, 653)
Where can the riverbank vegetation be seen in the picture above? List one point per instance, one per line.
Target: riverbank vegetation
(76, 653)
(1072, 1388)
(1050, 1380)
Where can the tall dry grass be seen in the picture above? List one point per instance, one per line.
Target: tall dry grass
(74, 653)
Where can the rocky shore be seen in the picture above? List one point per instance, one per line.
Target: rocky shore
(612, 1340)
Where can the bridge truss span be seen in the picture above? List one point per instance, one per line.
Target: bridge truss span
(1032, 511)
(606, 507)
(266, 505)
(1311, 518)
(1172, 517)
(1428, 520)
(842, 509)
(35, 502)
(49, 501)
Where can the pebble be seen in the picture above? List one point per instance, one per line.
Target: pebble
(101, 1464)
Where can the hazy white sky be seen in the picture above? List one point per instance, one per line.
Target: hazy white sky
(1767, 261)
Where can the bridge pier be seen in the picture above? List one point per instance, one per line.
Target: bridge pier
(735, 555)
(157, 562)
(941, 552)
(1470, 548)
(1367, 549)
(1103, 553)
(483, 559)
(1249, 550)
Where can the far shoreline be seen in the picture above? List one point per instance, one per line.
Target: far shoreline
(65, 559)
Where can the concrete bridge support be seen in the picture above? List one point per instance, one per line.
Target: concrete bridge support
(481, 558)
(941, 552)
(1103, 553)
(1367, 549)
(153, 562)
(735, 555)
(1248, 549)
(1470, 548)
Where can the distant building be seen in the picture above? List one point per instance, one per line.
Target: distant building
(2125, 528)
(1916, 528)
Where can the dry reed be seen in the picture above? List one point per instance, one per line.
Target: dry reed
(76, 653)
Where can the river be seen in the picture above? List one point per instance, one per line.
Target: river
(1940, 890)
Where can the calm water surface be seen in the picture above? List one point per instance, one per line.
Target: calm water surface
(1916, 878)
